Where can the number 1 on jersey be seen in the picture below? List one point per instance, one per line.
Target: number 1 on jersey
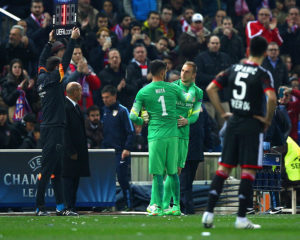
(163, 105)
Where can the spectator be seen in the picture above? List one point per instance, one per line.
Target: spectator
(118, 133)
(26, 126)
(170, 28)
(87, 15)
(178, 7)
(265, 26)
(209, 64)
(90, 39)
(32, 139)
(161, 48)
(141, 143)
(113, 74)
(186, 19)
(80, 71)
(293, 109)
(173, 75)
(140, 9)
(137, 73)
(287, 60)
(108, 9)
(93, 127)
(276, 66)
(194, 40)
(75, 163)
(58, 49)
(217, 21)
(9, 137)
(38, 24)
(231, 42)
(18, 46)
(241, 26)
(98, 57)
(17, 91)
(169, 61)
(290, 32)
(122, 28)
(151, 26)
(134, 37)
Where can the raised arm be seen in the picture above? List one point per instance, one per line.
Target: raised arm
(46, 51)
(70, 47)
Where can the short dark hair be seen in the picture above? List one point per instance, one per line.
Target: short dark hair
(164, 38)
(157, 66)
(92, 109)
(109, 89)
(52, 63)
(152, 12)
(167, 6)
(258, 46)
(3, 110)
(101, 15)
(226, 18)
(36, 1)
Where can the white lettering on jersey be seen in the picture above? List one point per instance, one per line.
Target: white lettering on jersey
(161, 90)
(240, 105)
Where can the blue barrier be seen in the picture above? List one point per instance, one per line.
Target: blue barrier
(20, 168)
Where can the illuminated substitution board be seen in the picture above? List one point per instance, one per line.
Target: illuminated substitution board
(64, 18)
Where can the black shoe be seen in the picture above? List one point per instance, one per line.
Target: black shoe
(42, 212)
(59, 212)
(68, 212)
(276, 210)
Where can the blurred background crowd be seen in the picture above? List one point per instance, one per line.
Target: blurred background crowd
(120, 38)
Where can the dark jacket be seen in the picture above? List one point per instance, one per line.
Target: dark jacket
(134, 82)
(118, 130)
(75, 143)
(9, 136)
(10, 93)
(94, 135)
(279, 73)
(28, 55)
(200, 137)
(50, 88)
(126, 49)
(38, 34)
(209, 64)
(109, 77)
(233, 46)
(291, 44)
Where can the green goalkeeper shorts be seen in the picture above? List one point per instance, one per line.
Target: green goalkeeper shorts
(183, 146)
(163, 155)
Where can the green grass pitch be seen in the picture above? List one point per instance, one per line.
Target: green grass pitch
(88, 227)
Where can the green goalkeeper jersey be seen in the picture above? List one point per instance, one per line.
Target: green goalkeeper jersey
(159, 100)
(189, 109)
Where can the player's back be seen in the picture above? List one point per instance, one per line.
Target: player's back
(159, 99)
(247, 83)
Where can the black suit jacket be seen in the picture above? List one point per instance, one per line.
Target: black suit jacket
(39, 35)
(75, 142)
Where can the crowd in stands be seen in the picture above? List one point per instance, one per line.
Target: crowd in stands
(120, 38)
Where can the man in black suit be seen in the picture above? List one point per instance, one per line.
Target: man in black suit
(76, 159)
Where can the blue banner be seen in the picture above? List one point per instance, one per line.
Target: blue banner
(19, 171)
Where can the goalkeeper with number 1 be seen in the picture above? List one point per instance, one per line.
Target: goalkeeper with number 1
(159, 100)
(187, 113)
